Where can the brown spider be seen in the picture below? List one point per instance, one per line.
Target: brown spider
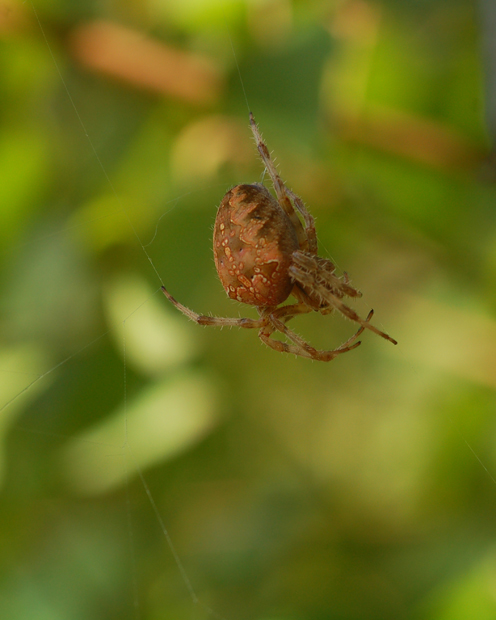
(263, 253)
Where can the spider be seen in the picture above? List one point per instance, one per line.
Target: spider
(264, 253)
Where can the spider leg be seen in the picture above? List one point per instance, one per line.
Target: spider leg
(309, 221)
(282, 347)
(288, 312)
(321, 270)
(284, 195)
(279, 187)
(202, 319)
(351, 314)
(347, 288)
(300, 346)
(321, 282)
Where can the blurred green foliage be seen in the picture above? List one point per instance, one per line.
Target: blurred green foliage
(361, 489)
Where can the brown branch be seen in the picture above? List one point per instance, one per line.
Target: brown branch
(138, 60)
(415, 138)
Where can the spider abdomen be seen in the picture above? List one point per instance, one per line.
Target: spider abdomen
(254, 241)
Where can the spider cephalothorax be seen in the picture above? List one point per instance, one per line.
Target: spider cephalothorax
(264, 253)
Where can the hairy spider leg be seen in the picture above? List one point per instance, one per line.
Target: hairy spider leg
(323, 269)
(202, 319)
(268, 323)
(279, 187)
(309, 221)
(301, 347)
(308, 279)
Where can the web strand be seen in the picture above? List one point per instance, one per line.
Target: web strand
(92, 145)
(126, 446)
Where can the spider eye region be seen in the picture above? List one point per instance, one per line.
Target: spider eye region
(254, 241)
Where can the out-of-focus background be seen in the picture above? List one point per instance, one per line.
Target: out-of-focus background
(291, 489)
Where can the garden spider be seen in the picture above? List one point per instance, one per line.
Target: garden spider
(263, 253)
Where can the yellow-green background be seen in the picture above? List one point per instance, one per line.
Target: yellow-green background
(292, 490)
